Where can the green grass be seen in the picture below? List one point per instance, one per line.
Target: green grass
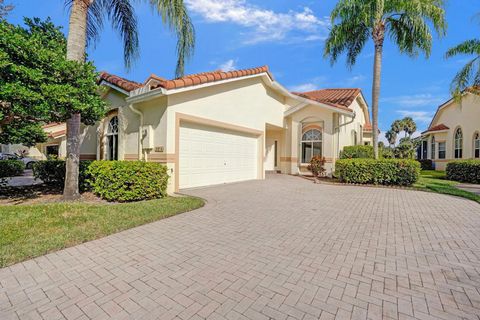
(29, 231)
(436, 181)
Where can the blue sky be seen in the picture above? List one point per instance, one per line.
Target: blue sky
(288, 36)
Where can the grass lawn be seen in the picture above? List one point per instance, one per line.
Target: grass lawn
(29, 231)
(436, 181)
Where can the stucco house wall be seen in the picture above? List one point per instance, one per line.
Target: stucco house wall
(450, 117)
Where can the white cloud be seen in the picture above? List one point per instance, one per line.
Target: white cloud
(263, 24)
(228, 65)
(416, 100)
(418, 116)
(304, 87)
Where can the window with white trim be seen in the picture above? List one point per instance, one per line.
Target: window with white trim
(442, 150)
(458, 144)
(311, 145)
(476, 145)
(112, 139)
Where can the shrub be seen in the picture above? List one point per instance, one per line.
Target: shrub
(128, 180)
(464, 171)
(52, 172)
(357, 152)
(10, 168)
(317, 166)
(385, 171)
(426, 164)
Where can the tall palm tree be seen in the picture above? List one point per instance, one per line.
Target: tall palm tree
(354, 22)
(86, 21)
(409, 126)
(391, 137)
(469, 75)
(397, 126)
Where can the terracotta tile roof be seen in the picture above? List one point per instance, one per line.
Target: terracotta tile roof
(120, 82)
(341, 97)
(367, 127)
(206, 77)
(56, 134)
(52, 124)
(438, 127)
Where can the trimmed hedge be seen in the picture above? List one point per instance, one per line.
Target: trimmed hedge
(426, 164)
(11, 168)
(464, 171)
(52, 172)
(357, 152)
(400, 172)
(128, 180)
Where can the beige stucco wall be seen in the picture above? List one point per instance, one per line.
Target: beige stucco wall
(465, 115)
(346, 131)
(316, 116)
(246, 103)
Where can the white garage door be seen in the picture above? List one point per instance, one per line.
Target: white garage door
(211, 156)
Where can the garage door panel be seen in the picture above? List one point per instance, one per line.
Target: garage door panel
(213, 156)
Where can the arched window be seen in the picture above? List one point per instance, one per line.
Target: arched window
(476, 145)
(354, 137)
(311, 145)
(112, 139)
(433, 149)
(458, 144)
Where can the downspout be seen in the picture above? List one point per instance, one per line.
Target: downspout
(140, 133)
(337, 131)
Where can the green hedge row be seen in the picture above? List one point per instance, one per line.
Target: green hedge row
(398, 172)
(11, 168)
(464, 171)
(426, 164)
(357, 152)
(120, 181)
(128, 180)
(52, 172)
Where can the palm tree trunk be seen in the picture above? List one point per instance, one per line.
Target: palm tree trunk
(378, 38)
(76, 45)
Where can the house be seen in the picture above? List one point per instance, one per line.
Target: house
(454, 132)
(218, 127)
(55, 146)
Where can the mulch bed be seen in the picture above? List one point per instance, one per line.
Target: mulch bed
(41, 193)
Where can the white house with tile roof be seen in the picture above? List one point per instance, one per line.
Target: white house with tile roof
(219, 127)
(454, 132)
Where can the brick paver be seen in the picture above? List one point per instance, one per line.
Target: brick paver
(283, 248)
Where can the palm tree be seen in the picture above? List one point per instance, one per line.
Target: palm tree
(86, 22)
(391, 137)
(469, 75)
(404, 21)
(397, 126)
(409, 126)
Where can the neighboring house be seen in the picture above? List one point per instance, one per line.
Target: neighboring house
(55, 146)
(218, 127)
(454, 132)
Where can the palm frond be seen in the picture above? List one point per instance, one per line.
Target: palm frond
(468, 76)
(351, 20)
(124, 20)
(175, 14)
(94, 23)
(411, 33)
(467, 47)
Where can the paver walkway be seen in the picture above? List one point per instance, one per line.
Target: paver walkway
(283, 248)
(475, 188)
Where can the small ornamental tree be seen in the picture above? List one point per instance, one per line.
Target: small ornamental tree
(39, 85)
(317, 166)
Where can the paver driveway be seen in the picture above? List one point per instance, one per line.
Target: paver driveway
(283, 248)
